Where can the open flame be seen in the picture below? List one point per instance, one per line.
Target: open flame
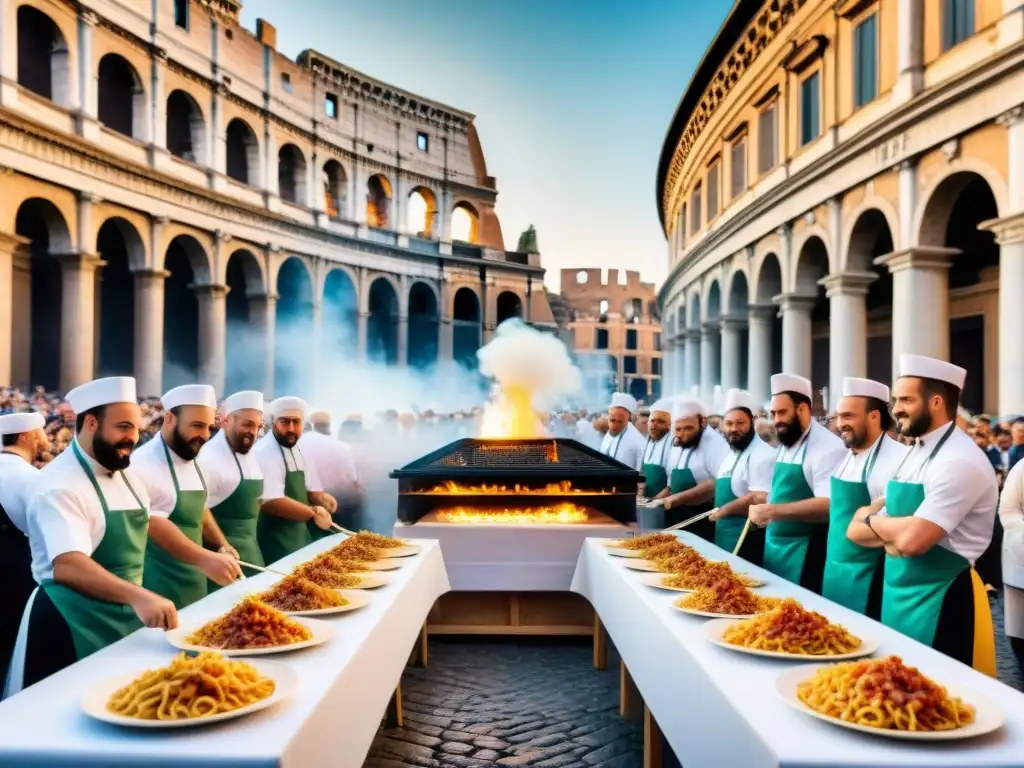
(561, 488)
(564, 514)
(509, 414)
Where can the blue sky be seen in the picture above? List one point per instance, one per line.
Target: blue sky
(572, 99)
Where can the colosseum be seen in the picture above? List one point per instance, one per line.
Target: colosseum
(177, 192)
(843, 182)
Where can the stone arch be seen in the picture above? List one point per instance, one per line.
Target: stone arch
(292, 174)
(245, 342)
(243, 152)
(197, 245)
(293, 334)
(881, 210)
(121, 96)
(933, 212)
(424, 320)
(768, 278)
(509, 305)
(694, 303)
(133, 226)
(122, 247)
(187, 263)
(44, 57)
(712, 301)
(340, 308)
(806, 237)
(811, 265)
(465, 223)
(467, 326)
(335, 189)
(250, 274)
(378, 201)
(736, 293)
(421, 212)
(382, 324)
(371, 277)
(186, 127)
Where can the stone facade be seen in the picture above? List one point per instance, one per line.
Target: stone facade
(844, 182)
(169, 176)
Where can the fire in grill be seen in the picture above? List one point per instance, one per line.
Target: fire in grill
(542, 480)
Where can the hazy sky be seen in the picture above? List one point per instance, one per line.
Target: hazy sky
(572, 100)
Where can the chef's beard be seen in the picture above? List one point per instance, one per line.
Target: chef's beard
(185, 449)
(107, 453)
(241, 442)
(740, 442)
(287, 440)
(916, 425)
(789, 432)
(693, 442)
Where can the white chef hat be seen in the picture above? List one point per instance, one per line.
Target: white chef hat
(190, 394)
(664, 405)
(685, 407)
(17, 423)
(789, 382)
(114, 389)
(853, 387)
(284, 404)
(319, 417)
(622, 400)
(740, 398)
(922, 367)
(247, 400)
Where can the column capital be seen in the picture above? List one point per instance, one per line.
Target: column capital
(733, 322)
(79, 260)
(710, 327)
(214, 290)
(9, 243)
(270, 298)
(1011, 116)
(89, 18)
(847, 283)
(761, 312)
(147, 272)
(919, 257)
(692, 334)
(89, 197)
(1008, 230)
(795, 302)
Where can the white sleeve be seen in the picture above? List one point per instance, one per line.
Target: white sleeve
(717, 453)
(823, 469)
(159, 489)
(272, 468)
(61, 522)
(217, 487)
(762, 468)
(951, 495)
(1011, 515)
(312, 475)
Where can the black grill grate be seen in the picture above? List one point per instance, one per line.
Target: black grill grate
(488, 455)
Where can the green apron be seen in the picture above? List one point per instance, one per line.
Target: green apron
(95, 624)
(179, 582)
(655, 476)
(851, 571)
(680, 480)
(915, 587)
(729, 529)
(237, 517)
(279, 537)
(788, 542)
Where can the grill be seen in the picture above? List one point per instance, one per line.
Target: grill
(525, 474)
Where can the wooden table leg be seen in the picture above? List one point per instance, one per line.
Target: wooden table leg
(652, 741)
(600, 644)
(424, 654)
(394, 714)
(624, 685)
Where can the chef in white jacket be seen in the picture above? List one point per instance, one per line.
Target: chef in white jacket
(623, 442)
(1011, 515)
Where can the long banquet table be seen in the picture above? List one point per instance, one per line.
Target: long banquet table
(344, 688)
(717, 707)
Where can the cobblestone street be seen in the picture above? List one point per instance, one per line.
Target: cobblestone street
(512, 703)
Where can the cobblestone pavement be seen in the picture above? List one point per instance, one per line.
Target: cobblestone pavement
(508, 703)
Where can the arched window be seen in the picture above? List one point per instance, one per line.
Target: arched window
(122, 100)
(378, 199)
(243, 152)
(465, 224)
(185, 128)
(291, 174)
(421, 213)
(43, 64)
(335, 184)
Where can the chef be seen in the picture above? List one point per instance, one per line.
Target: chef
(939, 511)
(23, 440)
(657, 448)
(234, 483)
(749, 464)
(87, 528)
(796, 511)
(1011, 515)
(334, 461)
(853, 574)
(623, 442)
(291, 487)
(694, 460)
(177, 563)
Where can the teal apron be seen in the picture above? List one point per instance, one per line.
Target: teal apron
(237, 517)
(95, 624)
(181, 583)
(729, 529)
(794, 549)
(916, 587)
(279, 537)
(680, 480)
(852, 572)
(655, 476)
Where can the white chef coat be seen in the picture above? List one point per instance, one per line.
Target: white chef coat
(333, 459)
(707, 456)
(890, 454)
(825, 451)
(217, 463)
(627, 446)
(66, 514)
(753, 470)
(659, 451)
(18, 481)
(587, 435)
(1011, 515)
(150, 465)
(960, 490)
(275, 460)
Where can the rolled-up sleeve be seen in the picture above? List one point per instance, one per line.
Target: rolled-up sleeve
(950, 496)
(59, 520)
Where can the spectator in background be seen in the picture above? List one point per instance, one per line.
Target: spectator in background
(998, 451)
(643, 416)
(1017, 438)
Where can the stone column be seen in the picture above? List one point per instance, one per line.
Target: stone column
(399, 217)
(692, 358)
(78, 317)
(318, 335)
(21, 346)
(732, 343)
(213, 326)
(909, 49)
(403, 339)
(796, 332)
(908, 202)
(357, 194)
(710, 355)
(88, 74)
(263, 320)
(9, 246)
(8, 56)
(679, 380)
(848, 340)
(920, 301)
(1009, 233)
(759, 351)
(216, 142)
(362, 334)
(149, 331)
(156, 115)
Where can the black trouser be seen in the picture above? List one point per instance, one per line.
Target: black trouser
(50, 647)
(1017, 644)
(16, 585)
(753, 545)
(954, 633)
(814, 563)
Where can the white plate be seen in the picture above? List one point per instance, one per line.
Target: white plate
(655, 580)
(405, 551)
(620, 552)
(95, 702)
(357, 598)
(371, 580)
(708, 615)
(381, 565)
(714, 628)
(322, 632)
(642, 565)
(988, 716)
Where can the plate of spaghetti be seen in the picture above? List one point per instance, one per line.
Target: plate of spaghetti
(370, 580)
(640, 542)
(703, 573)
(726, 598)
(252, 627)
(887, 698)
(190, 691)
(300, 597)
(787, 631)
(405, 550)
(641, 565)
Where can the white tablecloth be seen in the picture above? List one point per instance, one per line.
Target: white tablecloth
(719, 708)
(511, 558)
(344, 688)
